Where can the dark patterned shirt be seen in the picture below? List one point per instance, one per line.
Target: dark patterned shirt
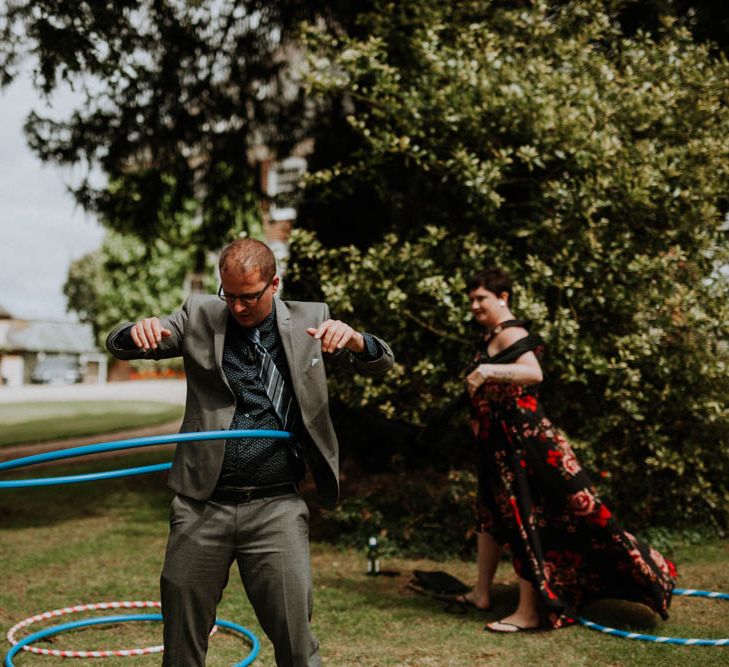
(256, 461)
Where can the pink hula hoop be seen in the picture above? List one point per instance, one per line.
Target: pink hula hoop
(136, 604)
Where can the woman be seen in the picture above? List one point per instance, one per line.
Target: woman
(567, 548)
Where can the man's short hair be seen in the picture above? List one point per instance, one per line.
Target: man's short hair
(248, 255)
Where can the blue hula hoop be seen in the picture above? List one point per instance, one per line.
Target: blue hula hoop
(131, 443)
(676, 641)
(56, 629)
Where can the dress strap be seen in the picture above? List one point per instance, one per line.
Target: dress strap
(525, 324)
(514, 351)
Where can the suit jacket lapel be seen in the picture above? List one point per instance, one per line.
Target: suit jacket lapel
(220, 324)
(283, 322)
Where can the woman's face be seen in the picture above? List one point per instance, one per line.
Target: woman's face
(485, 306)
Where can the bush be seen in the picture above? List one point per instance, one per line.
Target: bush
(595, 168)
(430, 514)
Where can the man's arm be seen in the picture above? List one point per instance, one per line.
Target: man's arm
(150, 338)
(369, 354)
(377, 363)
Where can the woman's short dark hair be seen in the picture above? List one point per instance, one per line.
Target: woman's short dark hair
(494, 280)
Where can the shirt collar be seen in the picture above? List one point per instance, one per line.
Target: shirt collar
(266, 326)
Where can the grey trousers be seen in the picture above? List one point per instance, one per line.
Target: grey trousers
(269, 538)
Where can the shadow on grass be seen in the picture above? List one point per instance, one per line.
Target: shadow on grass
(393, 592)
(143, 498)
(622, 614)
(629, 616)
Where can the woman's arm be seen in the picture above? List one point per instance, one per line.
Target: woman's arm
(524, 371)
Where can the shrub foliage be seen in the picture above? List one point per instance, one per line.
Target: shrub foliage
(593, 166)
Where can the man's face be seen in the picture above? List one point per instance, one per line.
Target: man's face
(240, 289)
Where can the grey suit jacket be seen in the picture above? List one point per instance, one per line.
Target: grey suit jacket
(198, 334)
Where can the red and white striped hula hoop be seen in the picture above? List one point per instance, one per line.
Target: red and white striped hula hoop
(137, 604)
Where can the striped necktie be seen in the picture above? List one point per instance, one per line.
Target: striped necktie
(276, 390)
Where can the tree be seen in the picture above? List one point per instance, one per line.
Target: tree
(708, 20)
(175, 95)
(592, 165)
(127, 279)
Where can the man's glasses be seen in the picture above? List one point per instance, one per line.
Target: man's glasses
(245, 299)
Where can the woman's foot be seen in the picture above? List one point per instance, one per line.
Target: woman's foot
(517, 622)
(475, 600)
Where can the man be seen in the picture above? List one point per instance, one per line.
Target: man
(252, 361)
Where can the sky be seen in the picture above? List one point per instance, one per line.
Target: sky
(41, 229)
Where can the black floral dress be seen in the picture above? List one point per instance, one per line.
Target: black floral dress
(535, 498)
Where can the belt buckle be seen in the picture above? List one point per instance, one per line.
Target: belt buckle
(246, 496)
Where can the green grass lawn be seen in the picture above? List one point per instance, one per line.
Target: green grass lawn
(104, 541)
(35, 422)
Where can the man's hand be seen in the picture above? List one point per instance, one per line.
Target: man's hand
(335, 335)
(147, 333)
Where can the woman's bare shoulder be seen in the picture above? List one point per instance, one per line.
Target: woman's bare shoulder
(507, 337)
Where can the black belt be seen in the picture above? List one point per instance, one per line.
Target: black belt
(245, 495)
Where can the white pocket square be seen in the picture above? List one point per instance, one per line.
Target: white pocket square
(314, 362)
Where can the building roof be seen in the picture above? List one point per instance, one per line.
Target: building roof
(56, 337)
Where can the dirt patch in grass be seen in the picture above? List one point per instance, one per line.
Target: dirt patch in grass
(22, 423)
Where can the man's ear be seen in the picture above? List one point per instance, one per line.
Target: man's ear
(274, 284)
